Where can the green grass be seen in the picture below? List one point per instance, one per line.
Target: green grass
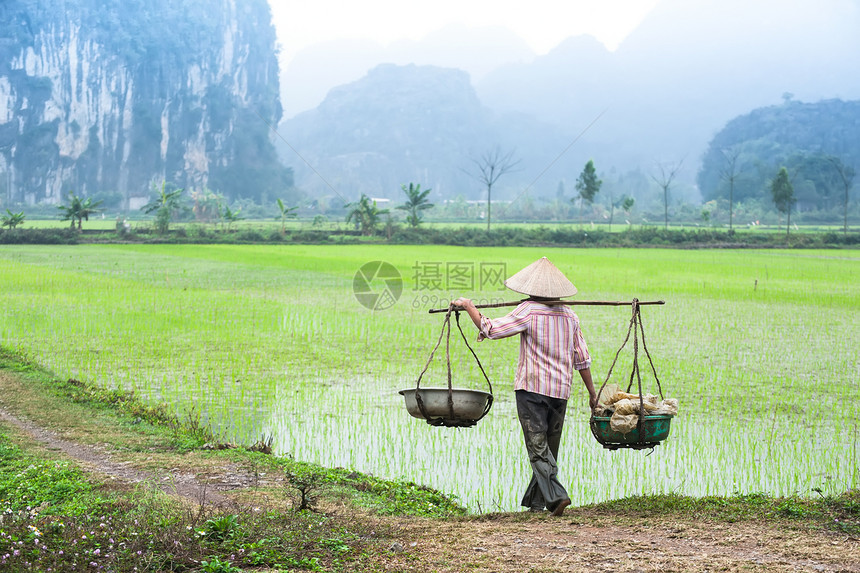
(757, 345)
(54, 518)
(27, 483)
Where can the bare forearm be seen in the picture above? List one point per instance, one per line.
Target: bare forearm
(589, 385)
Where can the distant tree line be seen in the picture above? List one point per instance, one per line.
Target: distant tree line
(519, 236)
(818, 144)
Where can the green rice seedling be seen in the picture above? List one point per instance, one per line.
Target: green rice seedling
(759, 346)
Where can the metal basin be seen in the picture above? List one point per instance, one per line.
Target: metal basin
(469, 406)
(655, 429)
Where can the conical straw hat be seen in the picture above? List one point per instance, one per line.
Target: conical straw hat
(542, 279)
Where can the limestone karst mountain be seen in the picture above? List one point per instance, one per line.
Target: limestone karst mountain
(108, 96)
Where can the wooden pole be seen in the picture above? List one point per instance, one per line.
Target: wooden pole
(565, 302)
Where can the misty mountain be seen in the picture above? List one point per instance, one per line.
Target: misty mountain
(675, 81)
(307, 78)
(686, 70)
(402, 124)
(813, 140)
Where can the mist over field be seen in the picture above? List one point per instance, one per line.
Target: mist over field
(660, 97)
(116, 103)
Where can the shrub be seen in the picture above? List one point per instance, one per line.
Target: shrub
(63, 236)
(250, 236)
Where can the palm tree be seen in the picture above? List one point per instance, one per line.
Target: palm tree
(231, 216)
(164, 205)
(285, 213)
(365, 213)
(78, 209)
(416, 202)
(12, 220)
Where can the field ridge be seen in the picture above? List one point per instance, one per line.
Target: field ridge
(532, 235)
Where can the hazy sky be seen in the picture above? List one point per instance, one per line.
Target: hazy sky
(541, 23)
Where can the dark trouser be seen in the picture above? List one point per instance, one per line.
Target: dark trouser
(542, 419)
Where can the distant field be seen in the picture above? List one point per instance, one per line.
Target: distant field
(759, 346)
(97, 223)
(109, 224)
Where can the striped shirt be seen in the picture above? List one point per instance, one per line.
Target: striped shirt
(551, 346)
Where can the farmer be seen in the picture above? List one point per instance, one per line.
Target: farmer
(551, 348)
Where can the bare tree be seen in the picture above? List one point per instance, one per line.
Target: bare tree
(489, 168)
(846, 173)
(667, 175)
(730, 173)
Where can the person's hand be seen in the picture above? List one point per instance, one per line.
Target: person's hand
(467, 305)
(593, 401)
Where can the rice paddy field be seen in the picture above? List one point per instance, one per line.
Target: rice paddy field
(760, 347)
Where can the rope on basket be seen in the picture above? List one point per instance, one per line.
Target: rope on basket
(636, 328)
(452, 420)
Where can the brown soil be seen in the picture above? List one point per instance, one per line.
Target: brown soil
(581, 540)
(591, 543)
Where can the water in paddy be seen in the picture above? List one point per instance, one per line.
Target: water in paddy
(760, 348)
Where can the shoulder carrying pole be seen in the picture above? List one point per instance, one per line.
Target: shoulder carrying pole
(564, 302)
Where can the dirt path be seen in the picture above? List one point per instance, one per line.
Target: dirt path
(582, 540)
(102, 461)
(542, 544)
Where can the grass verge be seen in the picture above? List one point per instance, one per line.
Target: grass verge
(55, 517)
(501, 236)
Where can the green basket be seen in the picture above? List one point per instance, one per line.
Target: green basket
(654, 429)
